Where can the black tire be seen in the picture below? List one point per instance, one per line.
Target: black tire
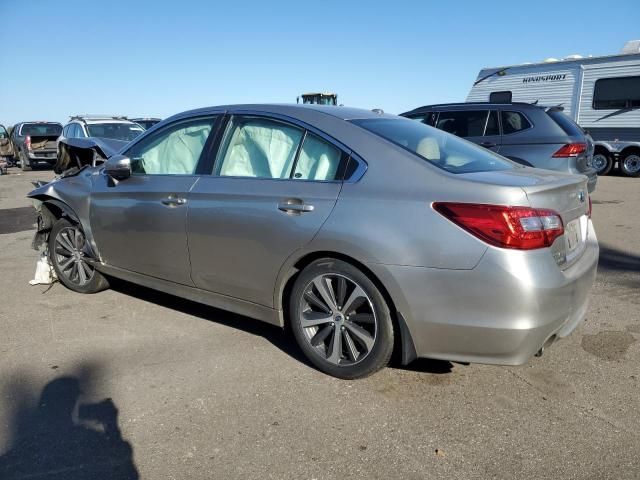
(630, 164)
(59, 256)
(602, 162)
(25, 165)
(351, 363)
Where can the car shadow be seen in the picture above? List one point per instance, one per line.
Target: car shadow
(614, 259)
(426, 365)
(282, 339)
(57, 437)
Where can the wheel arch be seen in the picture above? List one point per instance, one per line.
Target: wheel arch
(630, 149)
(404, 350)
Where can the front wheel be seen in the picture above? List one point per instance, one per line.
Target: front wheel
(68, 255)
(630, 164)
(340, 320)
(602, 163)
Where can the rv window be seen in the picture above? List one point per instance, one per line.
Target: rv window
(463, 123)
(500, 97)
(513, 122)
(616, 93)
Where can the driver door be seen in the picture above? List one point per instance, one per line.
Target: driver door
(139, 224)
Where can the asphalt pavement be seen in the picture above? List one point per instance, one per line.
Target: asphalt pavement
(131, 382)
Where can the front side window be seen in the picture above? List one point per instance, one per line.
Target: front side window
(259, 148)
(616, 93)
(514, 122)
(492, 124)
(445, 151)
(428, 118)
(463, 123)
(173, 151)
(115, 131)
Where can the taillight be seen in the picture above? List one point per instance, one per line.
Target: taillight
(590, 206)
(27, 142)
(571, 150)
(520, 228)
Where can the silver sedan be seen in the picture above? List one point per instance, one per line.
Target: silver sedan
(363, 232)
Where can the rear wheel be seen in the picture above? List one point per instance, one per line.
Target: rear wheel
(68, 255)
(602, 162)
(630, 164)
(25, 165)
(340, 320)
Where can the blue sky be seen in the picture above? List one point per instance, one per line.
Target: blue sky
(156, 58)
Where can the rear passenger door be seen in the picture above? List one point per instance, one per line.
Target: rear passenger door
(477, 126)
(271, 189)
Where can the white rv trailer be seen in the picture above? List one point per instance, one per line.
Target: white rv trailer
(602, 94)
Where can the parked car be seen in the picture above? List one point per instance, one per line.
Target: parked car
(146, 122)
(536, 136)
(6, 147)
(105, 127)
(34, 143)
(362, 231)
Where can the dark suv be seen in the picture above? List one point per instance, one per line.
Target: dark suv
(541, 137)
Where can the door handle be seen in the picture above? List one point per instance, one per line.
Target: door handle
(173, 201)
(488, 144)
(297, 206)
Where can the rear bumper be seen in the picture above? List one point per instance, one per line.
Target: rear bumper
(501, 312)
(49, 158)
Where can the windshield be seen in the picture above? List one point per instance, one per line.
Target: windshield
(441, 149)
(146, 124)
(115, 131)
(41, 129)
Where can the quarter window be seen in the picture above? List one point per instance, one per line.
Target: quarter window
(616, 93)
(318, 160)
(172, 151)
(260, 148)
(463, 123)
(513, 122)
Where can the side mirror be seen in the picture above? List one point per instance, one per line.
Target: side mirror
(118, 167)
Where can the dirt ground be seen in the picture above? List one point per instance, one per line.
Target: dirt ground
(132, 382)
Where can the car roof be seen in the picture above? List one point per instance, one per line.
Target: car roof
(293, 110)
(90, 121)
(465, 105)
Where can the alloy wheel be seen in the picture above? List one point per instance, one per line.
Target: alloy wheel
(338, 319)
(71, 258)
(600, 162)
(632, 163)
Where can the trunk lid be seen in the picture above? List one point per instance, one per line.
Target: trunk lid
(565, 194)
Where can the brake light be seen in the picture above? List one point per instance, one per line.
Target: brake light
(590, 206)
(27, 142)
(570, 150)
(520, 228)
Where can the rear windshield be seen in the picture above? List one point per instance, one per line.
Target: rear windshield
(41, 129)
(441, 149)
(115, 131)
(569, 126)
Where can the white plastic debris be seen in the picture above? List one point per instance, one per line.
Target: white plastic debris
(45, 275)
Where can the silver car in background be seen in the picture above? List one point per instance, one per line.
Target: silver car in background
(363, 232)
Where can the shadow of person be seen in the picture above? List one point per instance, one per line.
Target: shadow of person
(61, 439)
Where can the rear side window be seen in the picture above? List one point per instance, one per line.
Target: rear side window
(463, 123)
(3, 132)
(616, 93)
(444, 151)
(514, 122)
(569, 126)
(317, 160)
(259, 148)
(492, 124)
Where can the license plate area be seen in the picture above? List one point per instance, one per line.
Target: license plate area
(572, 235)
